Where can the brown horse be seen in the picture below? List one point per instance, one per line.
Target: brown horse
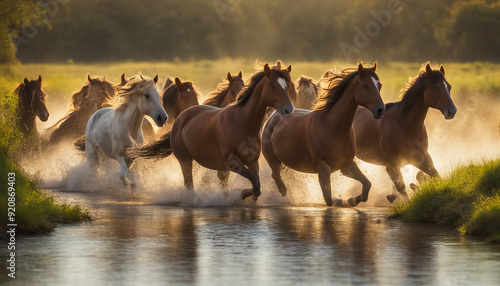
(307, 94)
(400, 138)
(178, 96)
(31, 103)
(322, 141)
(227, 139)
(226, 92)
(94, 95)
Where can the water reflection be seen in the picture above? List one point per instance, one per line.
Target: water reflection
(131, 243)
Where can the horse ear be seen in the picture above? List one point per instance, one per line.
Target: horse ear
(289, 68)
(141, 76)
(40, 77)
(278, 64)
(26, 81)
(229, 77)
(178, 83)
(360, 68)
(240, 75)
(155, 79)
(168, 82)
(122, 78)
(374, 68)
(88, 77)
(441, 69)
(428, 69)
(267, 70)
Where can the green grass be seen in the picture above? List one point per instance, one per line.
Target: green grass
(469, 200)
(34, 211)
(60, 80)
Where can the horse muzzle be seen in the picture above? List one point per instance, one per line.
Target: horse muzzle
(378, 111)
(449, 113)
(286, 109)
(160, 119)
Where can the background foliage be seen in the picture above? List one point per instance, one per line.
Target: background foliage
(117, 30)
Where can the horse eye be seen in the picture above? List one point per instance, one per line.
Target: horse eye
(146, 95)
(365, 85)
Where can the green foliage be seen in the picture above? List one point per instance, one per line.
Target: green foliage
(14, 15)
(109, 30)
(11, 136)
(469, 199)
(35, 212)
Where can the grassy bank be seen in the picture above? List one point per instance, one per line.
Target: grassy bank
(468, 199)
(34, 211)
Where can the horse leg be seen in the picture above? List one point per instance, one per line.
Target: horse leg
(324, 181)
(352, 171)
(91, 154)
(397, 178)
(425, 164)
(187, 172)
(124, 169)
(234, 164)
(276, 167)
(224, 179)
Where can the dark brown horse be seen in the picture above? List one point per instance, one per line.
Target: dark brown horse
(227, 139)
(322, 141)
(226, 92)
(94, 95)
(31, 103)
(400, 138)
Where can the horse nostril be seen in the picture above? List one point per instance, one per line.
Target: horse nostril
(380, 111)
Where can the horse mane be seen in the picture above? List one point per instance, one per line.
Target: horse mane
(247, 91)
(218, 96)
(171, 93)
(412, 92)
(81, 97)
(337, 83)
(126, 93)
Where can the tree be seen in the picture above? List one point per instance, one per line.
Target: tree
(15, 15)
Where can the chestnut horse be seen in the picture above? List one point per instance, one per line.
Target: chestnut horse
(322, 141)
(400, 138)
(307, 94)
(31, 103)
(94, 95)
(227, 139)
(226, 92)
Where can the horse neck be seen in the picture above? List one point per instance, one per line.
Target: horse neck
(133, 116)
(253, 111)
(415, 117)
(27, 119)
(341, 114)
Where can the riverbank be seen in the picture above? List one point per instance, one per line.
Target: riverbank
(468, 199)
(22, 205)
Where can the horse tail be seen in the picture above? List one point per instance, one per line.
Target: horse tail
(156, 150)
(80, 143)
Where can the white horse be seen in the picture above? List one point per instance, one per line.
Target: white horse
(115, 130)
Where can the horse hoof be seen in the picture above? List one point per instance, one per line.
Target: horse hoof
(283, 193)
(391, 198)
(352, 202)
(254, 198)
(246, 193)
(413, 186)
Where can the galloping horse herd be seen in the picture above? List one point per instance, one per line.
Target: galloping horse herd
(334, 120)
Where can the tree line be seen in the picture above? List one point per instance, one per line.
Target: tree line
(117, 30)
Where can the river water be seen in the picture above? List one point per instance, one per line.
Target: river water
(135, 243)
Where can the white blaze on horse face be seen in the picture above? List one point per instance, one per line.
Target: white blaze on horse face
(446, 87)
(375, 82)
(282, 82)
